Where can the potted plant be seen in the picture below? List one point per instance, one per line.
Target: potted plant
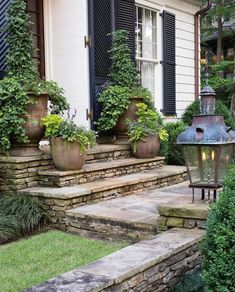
(69, 142)
(145, 133)
(23, 95)
(119, 98)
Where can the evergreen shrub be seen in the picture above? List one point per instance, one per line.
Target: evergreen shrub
(218, 247)
(194, 109)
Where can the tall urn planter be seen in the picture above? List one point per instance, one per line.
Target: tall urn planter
(148, 147)
(67, 155)
(121, 128)
(33, 128)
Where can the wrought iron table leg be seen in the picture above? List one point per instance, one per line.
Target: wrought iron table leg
(193, 195)
(214, 195)
(203, 194)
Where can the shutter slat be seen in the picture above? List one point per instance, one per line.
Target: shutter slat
(169, 72)
(4, 5)
(125, 19)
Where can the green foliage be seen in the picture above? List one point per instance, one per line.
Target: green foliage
(190, 283)
(123, 71)
(68, 130)
(22, 78)
(148, 123)
(124, 84)
(218, 247)
(20, 215)
(223, 86)
(174, 154)
(19, 60)
(220, 109)
(13, 101)
(9, 228)
(114, 100)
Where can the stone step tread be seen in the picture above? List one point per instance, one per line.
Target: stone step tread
(105, 184)
(103, 148)
(98, 166)
(125, 263)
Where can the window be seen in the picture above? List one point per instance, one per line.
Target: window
(35, 10)
(146, 47)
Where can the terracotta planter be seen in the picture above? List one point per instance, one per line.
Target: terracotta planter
(148, 148)
(66, 155)
(33, 128)
(121, 128)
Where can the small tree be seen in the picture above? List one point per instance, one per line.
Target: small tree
(218, 247)
(19, 59)
(122, 71)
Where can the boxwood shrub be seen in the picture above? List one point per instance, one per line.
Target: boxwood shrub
(194, 109)
(170, 149)
(218, 247)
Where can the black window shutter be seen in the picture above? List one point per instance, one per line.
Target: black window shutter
(169, 72)
(4, 5)
(125, 19)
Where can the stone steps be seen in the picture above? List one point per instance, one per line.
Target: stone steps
(97, 171)
(138, 216)
(58, 200)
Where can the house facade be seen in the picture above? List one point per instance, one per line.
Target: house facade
(71, 37)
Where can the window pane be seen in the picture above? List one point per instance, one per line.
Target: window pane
(32, 5)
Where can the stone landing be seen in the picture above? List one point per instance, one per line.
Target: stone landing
(136, 217)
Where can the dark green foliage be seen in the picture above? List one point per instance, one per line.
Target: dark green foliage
(221, 81)
(22, 78)
(123, 71)
(218, 247)
(9, 228)
(13, 100)
(114, 100)
(174, 155)
(20, 215)
(194, 109)
(19, 60)
(190, 283)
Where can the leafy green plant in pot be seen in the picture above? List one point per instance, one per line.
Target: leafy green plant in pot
(24, 96)
(145, 134)
(120, 97)
(69, 142)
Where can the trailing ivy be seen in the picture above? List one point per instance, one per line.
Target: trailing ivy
(123, 71)
(13, 101)
(22, 78)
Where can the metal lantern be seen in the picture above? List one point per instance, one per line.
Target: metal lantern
(208, 146)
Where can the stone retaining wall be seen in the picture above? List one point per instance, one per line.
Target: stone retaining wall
(108, 156)
(153, 265)
(68, 178)
(18, 173)
(185, 216)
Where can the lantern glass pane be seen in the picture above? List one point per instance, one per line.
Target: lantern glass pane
(201, 163)
(226, 155)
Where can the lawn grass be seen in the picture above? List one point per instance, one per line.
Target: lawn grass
(31, 261)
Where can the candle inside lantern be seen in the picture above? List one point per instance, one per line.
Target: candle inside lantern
(213, 155)
(203, 156)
